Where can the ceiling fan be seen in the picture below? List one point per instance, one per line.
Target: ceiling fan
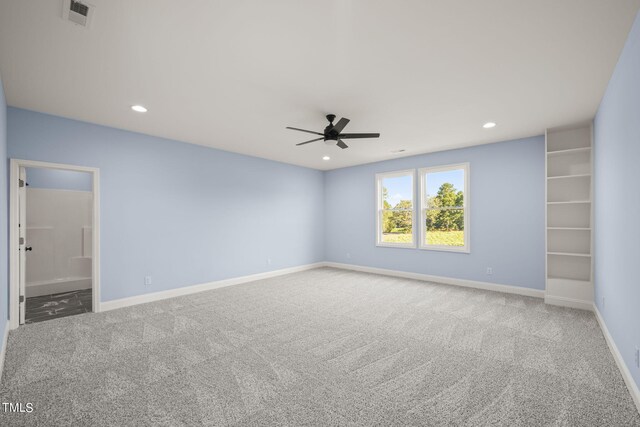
(333, 132)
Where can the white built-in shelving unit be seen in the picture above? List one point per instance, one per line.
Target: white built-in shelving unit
(569, 217)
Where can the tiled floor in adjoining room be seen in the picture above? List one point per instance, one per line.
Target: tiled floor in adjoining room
(46, 307)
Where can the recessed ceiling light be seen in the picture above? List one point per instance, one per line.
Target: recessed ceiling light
(326, 158)
(139, 108)
(489, 125)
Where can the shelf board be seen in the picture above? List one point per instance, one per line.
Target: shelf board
(570, 228)
(566, 279)
(583, 175)
(570, 202)
(569, 151)
(569, 254)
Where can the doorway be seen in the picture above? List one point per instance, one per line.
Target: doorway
(54, 241)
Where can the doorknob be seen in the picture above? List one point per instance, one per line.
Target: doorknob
(28, 248)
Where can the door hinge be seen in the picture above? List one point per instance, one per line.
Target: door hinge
(21, 298)
(20, 183)
(22, 240)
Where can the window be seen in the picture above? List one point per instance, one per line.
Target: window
(395, 216)
(444, 213)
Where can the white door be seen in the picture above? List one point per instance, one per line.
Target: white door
(22, 235)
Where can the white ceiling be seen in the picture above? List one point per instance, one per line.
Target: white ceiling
(233, 74)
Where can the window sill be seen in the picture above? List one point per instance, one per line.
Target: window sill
(457, 249)
(391, 245)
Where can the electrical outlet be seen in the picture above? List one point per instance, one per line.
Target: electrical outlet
(147, 280)
(348, 255)
(268, 261)
(489, 271)
(637, 357)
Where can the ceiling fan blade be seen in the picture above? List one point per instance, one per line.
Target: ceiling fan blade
(359, 135)
(313, 140)
(304, 130)
(337, 128)
(341, 144)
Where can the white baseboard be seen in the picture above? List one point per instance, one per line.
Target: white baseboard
(439, 279)
(187, 290)
(624, 370)
(569, 302)
(5, 339)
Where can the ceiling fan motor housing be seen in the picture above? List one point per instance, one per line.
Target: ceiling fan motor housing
(328, 134)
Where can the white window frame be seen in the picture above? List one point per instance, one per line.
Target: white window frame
(379, 208)
(423, 208)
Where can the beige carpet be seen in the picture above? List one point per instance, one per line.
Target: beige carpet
(322, 347)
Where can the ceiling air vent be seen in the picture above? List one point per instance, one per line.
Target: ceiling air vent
(77, 12)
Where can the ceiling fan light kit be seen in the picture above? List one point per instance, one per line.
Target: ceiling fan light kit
(333, 132)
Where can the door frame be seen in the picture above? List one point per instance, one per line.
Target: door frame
(14, 258)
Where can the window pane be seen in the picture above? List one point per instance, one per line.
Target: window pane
(445, 189)
(397, 227)
(395, 208)
(445, 227)
(397, 192)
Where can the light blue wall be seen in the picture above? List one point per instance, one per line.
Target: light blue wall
(58, 179)
(617, 202)
(507, 216)
(4, 219)
(181, 213)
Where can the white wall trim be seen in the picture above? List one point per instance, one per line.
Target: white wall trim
(187, 290)
(14, 259)
(5, 340)
(624, 370)
(568, 302)
(439, 279)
